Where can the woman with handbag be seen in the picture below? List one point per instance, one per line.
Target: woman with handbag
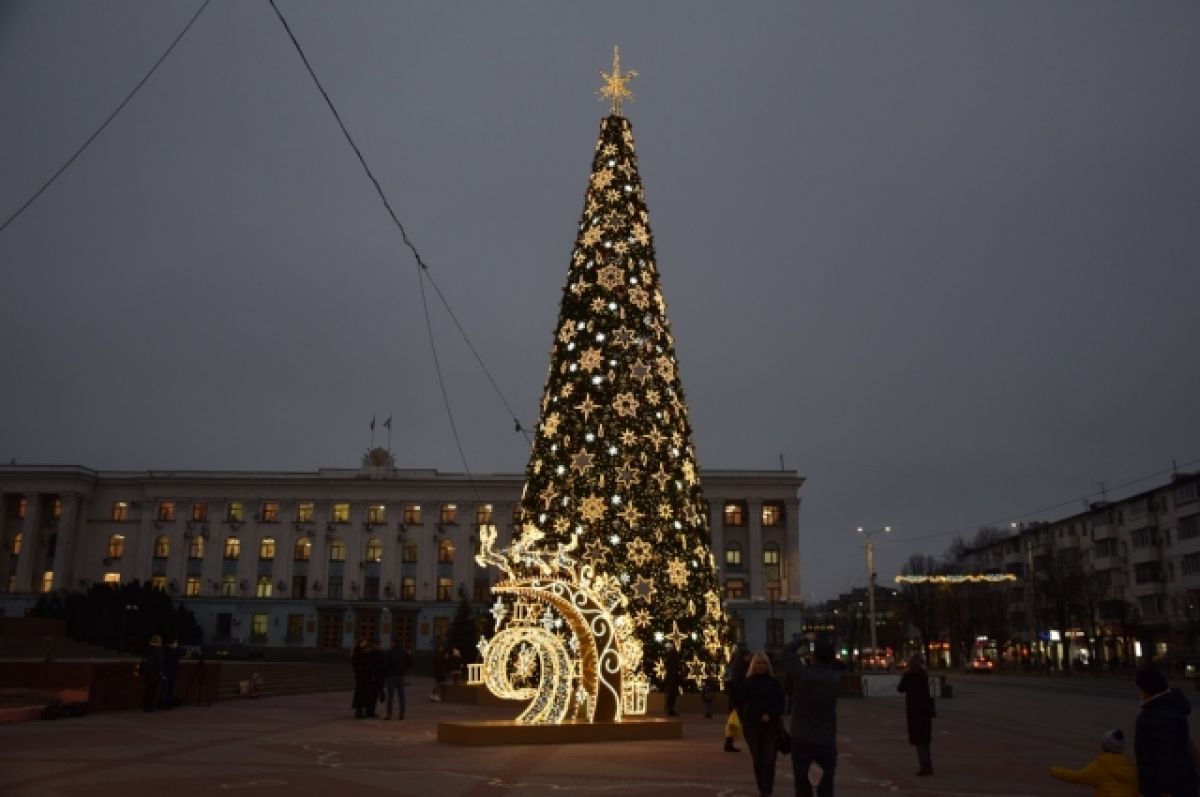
(760, 703)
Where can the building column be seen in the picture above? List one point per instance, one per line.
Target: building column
(31, 545)
(67, 528)
(754, 542)
(791, 587)
(717, 539)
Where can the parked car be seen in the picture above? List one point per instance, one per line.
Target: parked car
(981, 664)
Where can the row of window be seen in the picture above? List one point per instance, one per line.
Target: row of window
(734, 513)
(306, 512)
(733, 554)
(301, 551)
(264, 587)
(735, 589)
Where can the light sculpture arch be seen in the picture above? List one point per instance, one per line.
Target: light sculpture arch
(563, 641)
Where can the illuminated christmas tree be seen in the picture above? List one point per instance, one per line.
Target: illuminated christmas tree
(613, 462)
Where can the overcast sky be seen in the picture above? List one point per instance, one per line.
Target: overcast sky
(942, 257)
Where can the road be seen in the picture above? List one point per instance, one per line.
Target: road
(996, 737)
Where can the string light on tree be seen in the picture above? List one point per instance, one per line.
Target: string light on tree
(613, 464)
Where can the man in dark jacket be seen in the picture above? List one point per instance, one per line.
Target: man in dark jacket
(1160, 742)
(151, 670)
(814, 719)
(398, 661)
(918, 711)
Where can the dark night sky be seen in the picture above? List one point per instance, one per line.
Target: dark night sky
(941, 256)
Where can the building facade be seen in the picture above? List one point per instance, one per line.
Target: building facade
(1114, 584)
(315, 559)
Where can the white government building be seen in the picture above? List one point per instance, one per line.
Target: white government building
(314, 560)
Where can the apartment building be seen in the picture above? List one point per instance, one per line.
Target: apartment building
(1125, 574)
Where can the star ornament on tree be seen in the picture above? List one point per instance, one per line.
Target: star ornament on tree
(615, 89)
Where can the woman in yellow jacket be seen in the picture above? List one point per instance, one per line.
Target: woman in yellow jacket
(1110, 774)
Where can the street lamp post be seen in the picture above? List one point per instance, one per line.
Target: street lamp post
(871, 579)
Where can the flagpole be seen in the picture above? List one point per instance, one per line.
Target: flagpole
(388, 425)
(372, 447)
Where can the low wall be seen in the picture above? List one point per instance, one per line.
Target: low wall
(109, 685)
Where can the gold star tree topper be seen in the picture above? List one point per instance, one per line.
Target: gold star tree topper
(615, 88)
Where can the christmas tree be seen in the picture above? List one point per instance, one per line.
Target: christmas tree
(613, 462)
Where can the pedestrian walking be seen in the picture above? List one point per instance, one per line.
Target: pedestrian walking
(360, 661)
(171, 656)
(398, 662)
(379, 664)
(671, 682)
(814, 721)
(439, 673)
(150, 668)
(919, 711)
(736, 672)
(1162, 746)
(760, 704)
(1110, 774)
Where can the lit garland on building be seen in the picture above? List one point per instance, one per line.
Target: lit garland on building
(958, 578)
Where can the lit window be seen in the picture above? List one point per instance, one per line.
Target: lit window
(166, 510)
(445, 589)
(374, 550)
(199, 512)
(233, 548)
(735, 513)
(734, 588)
(376, 514)
(116, 546)
(269, 512)
(337, 551)
(191, 587)
(412, 514)
(22, 507)
(47, 581)
(266, 549)
(112, 578)
(410, 551)
(483, 514)
(196, 547)
(263, 588)
(158, 582)
(771, 554)
(236, 513)
(341, 513)
(408, 588)
(258, 626)
(162, 546)
(120, 510)
(733, 555)
(16, 543)
(56, 509)
(445, 551)
(448, 513)
(305, 512)
(772, 514)
(228, 585)
(303, 550)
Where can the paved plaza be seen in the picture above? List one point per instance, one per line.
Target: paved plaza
(996, 736)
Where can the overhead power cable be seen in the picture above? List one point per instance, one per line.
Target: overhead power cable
(1036, 512)
(105, 123)
(422, 268)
